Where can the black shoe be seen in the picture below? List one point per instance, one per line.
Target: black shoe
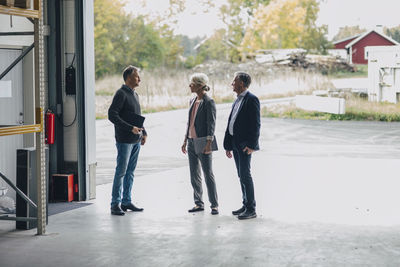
(214, 211)
(131, 207)
(239, 211)
(247, 215)
(116, 210)
(196, 209)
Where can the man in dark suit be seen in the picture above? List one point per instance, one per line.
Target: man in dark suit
(241, 138)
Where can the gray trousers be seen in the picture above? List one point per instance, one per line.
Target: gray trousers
(195, 176)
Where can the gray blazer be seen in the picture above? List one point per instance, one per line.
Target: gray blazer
(204, 122)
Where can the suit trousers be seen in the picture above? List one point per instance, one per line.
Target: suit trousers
(242, 161)
(205, 160)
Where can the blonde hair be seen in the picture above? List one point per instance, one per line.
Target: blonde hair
(200, 79)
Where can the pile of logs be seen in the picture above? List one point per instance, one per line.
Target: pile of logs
(323, 64)
(298, 58)
(16, 3)
(280, 59)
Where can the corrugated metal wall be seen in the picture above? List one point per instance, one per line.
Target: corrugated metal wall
(11, 109)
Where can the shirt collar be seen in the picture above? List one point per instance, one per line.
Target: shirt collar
(243, 94)
(128, 88)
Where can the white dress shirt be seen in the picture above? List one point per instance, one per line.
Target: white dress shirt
(235, 110)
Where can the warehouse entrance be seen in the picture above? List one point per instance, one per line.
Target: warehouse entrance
(46, 106)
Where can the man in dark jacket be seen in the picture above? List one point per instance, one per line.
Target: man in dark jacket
(241, 137)
(129, 137)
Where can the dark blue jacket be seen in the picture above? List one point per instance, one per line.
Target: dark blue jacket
(246, 129)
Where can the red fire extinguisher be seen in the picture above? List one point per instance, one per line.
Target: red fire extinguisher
(49, 127)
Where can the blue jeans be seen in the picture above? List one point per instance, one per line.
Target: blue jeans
(123, 179)
(242, 161)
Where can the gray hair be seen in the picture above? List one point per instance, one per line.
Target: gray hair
(244, 77)
(128, 71)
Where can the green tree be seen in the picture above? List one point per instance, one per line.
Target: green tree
(285, 24)
(348, 31)
(394, 33)
(172, 47)
(236, 14)
(188, 44)
(108, 15)
(215, 47)
(121, 39)
(139, 44)
(313, 37)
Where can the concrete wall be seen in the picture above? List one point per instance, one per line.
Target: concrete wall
(322, 104)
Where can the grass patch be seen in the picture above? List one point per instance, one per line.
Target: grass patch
(288, 94)
(165, 89)
(223, 100)
(161, 108)
(361, 72)
(356, 109)
(104, 93)
(146, 111)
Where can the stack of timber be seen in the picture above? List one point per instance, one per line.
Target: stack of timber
(298, 58)
(324, 64)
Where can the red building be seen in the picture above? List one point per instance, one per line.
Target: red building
(355, 45)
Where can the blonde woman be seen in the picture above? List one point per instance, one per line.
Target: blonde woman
(201, 123)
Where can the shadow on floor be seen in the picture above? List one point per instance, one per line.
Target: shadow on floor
(55, 208)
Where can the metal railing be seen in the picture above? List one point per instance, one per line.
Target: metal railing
(23, 196)
(23, 129)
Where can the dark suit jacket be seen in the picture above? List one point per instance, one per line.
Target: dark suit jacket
(246, 129)
(204, 122)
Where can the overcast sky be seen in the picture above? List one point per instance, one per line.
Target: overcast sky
(334, 13)
(366, 13)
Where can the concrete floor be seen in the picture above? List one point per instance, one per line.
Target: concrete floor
(327, 195)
